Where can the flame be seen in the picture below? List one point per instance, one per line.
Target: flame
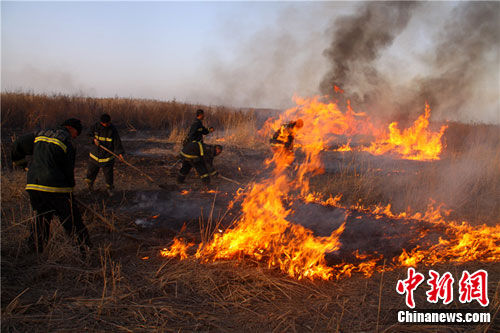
(184, 192)
(461, 243)
(345, 147)
(226, 139)
(178, 249)
(414, 143)
(264, 231)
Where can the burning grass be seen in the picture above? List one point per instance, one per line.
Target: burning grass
(264, 231)
(117, 289)
(235, 279)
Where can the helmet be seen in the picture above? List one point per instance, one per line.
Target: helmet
(299, 123)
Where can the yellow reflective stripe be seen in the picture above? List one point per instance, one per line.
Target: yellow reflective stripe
(101, 138)
(52, 189)
(51, 140)
(101, 159)
(213, 173)
(204, 175)
(201, 148)
(200, 129)
(188, 156)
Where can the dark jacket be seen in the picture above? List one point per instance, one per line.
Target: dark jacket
(284, 136)
(197, 152)
(53, 163)
(196, 132)
(109, 138)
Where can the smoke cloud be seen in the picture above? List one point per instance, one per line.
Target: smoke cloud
(265, 68)
(467, 52)
(459, 60)
(359, 40)
(41, 80)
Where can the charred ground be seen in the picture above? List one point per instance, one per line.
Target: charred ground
(127, 286)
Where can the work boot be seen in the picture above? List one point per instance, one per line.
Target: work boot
(90, 184)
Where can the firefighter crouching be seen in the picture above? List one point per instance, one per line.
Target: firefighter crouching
(50, 182)
(282, 140)
(201, 157)
(104, 134)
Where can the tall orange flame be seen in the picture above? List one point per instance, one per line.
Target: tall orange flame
(264, 231)
(414, 143)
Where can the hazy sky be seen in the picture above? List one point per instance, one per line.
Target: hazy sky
(248, 54)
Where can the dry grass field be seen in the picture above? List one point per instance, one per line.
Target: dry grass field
(126, 285)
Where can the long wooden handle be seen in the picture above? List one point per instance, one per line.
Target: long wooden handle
(230, 180)
(130, 165)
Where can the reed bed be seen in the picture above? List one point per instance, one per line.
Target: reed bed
(28, 111)
(126, 286)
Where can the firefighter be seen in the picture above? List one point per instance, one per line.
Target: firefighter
(201, 157)
(104, 134)
(197, 129)
(50, 182)
(282, 139)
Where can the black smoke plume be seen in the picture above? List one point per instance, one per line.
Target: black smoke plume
(462, 65)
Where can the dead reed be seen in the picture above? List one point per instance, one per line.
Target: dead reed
(28, 111)
(126, 286)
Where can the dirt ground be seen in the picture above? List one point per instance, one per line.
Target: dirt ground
(127, 286)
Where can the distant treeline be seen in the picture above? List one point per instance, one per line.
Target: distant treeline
(28, 111)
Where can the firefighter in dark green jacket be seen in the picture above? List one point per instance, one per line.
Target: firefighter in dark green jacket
(197, 130)
(50, 182)
(103, 134)
(201, 157)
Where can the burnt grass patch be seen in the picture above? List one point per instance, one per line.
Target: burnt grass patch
(125, 285)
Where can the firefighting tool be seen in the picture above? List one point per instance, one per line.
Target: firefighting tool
(134, 167)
